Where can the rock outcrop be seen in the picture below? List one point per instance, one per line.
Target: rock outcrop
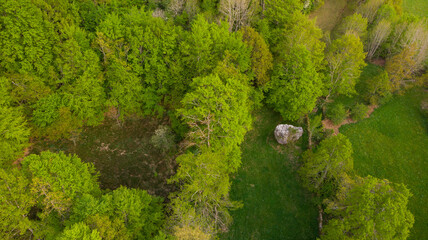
(285, 133)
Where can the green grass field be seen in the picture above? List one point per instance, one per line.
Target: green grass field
(393, 144)
(275, 204)
(417, 7)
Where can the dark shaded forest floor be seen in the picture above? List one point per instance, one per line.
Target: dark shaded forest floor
(393, 144)
(122, 155)
(276, 206)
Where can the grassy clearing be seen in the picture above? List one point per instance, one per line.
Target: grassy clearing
(393, 144)
(330, 14)
(417, 7)
(122, 155)
(275, 204)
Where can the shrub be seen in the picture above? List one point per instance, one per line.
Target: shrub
(163, 139)
(337, 113)
(359, 112)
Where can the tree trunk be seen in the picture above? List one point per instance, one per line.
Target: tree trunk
(320, 212)
(308, 122)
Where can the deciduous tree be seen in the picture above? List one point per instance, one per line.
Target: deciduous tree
(239, 13)
(261, 57)
(345, 58)
(217, 111)
(369, 208)
(205, 188)
(377, 36)
(355, 23)
(16, 201)
(295, 85)
(280, 12)
(14, 134)
(322, 168)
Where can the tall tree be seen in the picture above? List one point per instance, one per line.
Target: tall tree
(14, 134)
(261, 57)
(345, 59)
(217, 111)
(57, 181)
(209, 43)
(206, 184)
(369, 9)
(401, 67)
(79, 231)
(295, 85)
(155, 58)
(323, 167)
(239, 13)
(280, 12)
(16, 202)
(26, 38)
(304, 32)
(369, 208)
(134, 209)
(377, 36)
(355, 23)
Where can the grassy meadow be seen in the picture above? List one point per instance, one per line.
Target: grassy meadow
(417, 7)
(393, 144)
(276, 206)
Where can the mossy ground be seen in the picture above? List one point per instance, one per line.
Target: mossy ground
(122, 154)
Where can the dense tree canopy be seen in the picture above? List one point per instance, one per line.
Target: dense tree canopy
(217, 110)
(295, 85)
(200, 68)
(345, 58)
(322, 168)
(370, 208)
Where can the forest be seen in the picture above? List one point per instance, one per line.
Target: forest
(155, 119)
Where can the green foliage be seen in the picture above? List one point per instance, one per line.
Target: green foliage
(322, 169)
(79, 231)
(400, 69)
(261, 57)
(359, 112)
(217, 110)
(280, 12)
(135, 209)
(345, 58)
(154, 57)
(126, 89)
(16, 202)
(302, 31)
(91, 15)
(26, 38)
(61, 174)
(336, 112)
(46, 110)
(386, 12)
(377, 88)
(209, 43)
(108, 229)
(295, 85)
(354, 23)
(14, 134)
(205, 179)
(370, 208)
